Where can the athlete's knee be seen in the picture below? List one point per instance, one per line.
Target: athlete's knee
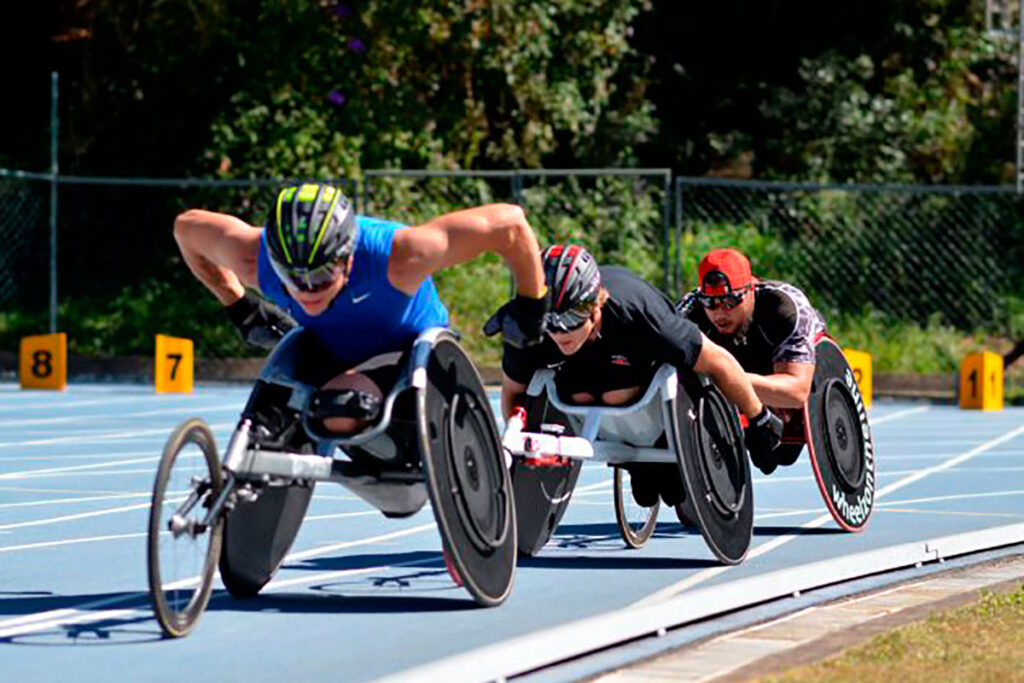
(347, 403)
(620, 397)
(583, 398)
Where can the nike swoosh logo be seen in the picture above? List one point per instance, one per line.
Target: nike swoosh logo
(357, 299)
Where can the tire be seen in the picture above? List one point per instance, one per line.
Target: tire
(177, 609)
(634, 534)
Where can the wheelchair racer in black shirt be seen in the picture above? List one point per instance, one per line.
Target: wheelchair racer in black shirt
(770, 327)
(608, 331)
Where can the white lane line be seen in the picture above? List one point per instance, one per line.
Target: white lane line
(114, 537)
(324, 549)
(82, 613)
(949, 513)
(79, 468)
(118, 416)
(73, 456)
(97, 473)
(897, 415)
(73, 501)
(69, 541)
(19, 489)
(88, 498)
(69, 518)
(956, 496)
(104, 437)
(764, 548)
(73, 404)
(340, 515)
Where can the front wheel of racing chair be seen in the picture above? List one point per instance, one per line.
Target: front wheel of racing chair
(184, 539)
(636, 522)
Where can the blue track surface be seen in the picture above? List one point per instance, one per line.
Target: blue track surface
(371, 596)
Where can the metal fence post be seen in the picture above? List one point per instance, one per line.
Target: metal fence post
(666, 232)
(679, 237)
(54, 121)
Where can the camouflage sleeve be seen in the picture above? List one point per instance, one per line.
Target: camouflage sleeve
(804, 325)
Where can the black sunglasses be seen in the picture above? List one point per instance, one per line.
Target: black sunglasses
(727, 301)
(310, 280)
(569, 320)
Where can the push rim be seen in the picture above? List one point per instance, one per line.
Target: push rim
(721, 457)
(844, 440)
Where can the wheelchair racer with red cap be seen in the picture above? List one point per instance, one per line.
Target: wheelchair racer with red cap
(608, 331)
(770, 327)
(361, 285)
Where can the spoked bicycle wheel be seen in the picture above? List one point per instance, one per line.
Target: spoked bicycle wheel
(636, 522)
(182, 551)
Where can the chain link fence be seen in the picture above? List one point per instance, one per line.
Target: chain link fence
(917, 254)
(910, 253)
(24, 254)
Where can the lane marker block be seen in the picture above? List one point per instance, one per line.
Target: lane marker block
(174, 365)
(981, 381)
(860, 363)
(43, 361)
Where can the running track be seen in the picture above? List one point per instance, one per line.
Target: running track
(364, 596)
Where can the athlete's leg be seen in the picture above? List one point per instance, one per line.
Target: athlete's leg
(619, 397)
(374, 377)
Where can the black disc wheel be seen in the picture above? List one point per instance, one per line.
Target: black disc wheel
(708, 441)
(183, 551)
(844, 441)
(468, 483)
(722, 466)
(475, 476)
(636, 522)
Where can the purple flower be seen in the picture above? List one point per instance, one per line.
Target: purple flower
(337, 98)
(357, 45)
(342, 11)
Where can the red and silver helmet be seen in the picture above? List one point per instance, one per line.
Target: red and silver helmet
(573, 282)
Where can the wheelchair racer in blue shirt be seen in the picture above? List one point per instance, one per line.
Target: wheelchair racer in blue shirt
(361, 285)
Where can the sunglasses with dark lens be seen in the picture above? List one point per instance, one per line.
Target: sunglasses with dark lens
(571, 319)
(309, 280)
(727, 301)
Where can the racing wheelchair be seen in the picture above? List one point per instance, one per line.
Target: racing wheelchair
(435, 438)
(833, 425)
(681, 419)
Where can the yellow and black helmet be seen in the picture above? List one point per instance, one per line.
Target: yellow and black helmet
(311, 232)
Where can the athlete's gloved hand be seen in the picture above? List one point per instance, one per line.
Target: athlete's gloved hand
(520, 321)
(763, 434)
(514, 424)
(260, 322)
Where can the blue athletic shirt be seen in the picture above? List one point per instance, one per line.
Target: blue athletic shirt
(369, 317)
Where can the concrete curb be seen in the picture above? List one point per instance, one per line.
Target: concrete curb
(561, 643)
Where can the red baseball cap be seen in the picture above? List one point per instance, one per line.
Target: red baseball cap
(731, 270)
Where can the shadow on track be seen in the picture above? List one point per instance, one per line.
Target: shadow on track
(796, 531)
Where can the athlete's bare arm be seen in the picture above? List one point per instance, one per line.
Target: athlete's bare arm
(789, 387)
(221, 251)
(727, 374)
(463, 235)
(512, 393)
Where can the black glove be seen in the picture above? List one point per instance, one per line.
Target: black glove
(520, 321)
(260, 322)
(762, 436)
